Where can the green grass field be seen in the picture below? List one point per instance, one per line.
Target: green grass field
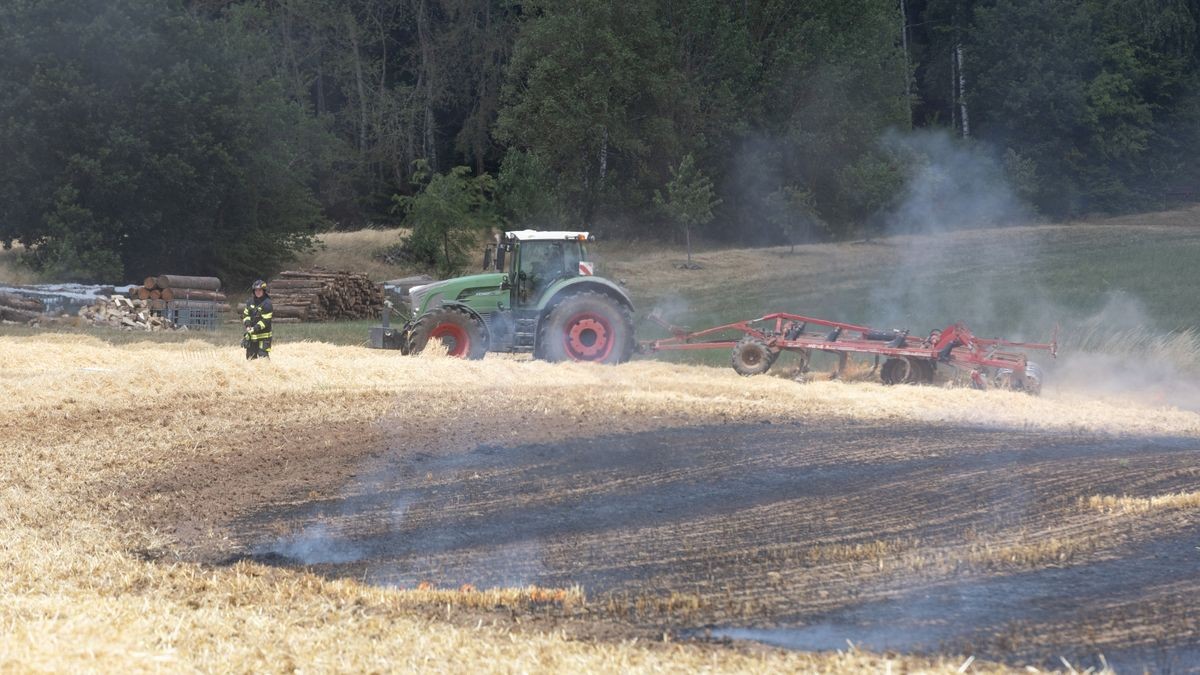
(1021, 279)
(1130, 273)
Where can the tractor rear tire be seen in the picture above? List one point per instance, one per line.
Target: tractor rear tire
(462, 333)
(587, 326)
(752, 357)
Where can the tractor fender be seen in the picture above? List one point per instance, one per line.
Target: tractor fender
(587, 283)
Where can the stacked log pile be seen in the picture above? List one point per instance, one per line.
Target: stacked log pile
(323, 295)
(17, 308)
(126, 314)
(170, 287)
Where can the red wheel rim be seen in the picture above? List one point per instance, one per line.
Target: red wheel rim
(457, 342)
(588, 337)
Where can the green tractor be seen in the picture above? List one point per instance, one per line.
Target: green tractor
(538, 294)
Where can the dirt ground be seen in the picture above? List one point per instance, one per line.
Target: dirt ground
(913, 538)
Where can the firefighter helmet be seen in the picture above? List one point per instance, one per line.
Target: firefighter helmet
(259, 284)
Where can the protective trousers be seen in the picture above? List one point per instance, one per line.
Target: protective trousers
(258, 349)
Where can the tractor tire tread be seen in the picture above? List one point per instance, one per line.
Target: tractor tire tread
(620, 352)
(425, 324)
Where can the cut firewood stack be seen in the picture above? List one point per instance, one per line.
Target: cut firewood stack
(322, 295)
(126, 314)
(20, 309)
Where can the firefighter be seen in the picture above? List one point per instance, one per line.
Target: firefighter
(256, 318)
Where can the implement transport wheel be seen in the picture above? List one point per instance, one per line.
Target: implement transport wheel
(920, 371)
(456, 328)
(587, 326)
(752, 357)
(895, 371)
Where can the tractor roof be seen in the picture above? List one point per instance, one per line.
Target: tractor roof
(539, 235)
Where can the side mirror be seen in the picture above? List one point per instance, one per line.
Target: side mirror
(487, 258)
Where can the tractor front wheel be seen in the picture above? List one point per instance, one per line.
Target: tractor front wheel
(456, 328)
(587, 326)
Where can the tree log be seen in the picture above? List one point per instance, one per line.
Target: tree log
(177, 281)
(291, 312)
(19, 302)
(14, 314)
(291, 283)
(150, 283)
(315, 274)
(192, 294)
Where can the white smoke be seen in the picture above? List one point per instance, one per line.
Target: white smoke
(314, 545)
(937, 278)
(951, 185)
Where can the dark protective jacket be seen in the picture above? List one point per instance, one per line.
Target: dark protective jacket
(256, 316)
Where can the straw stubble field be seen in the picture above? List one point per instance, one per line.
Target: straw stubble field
(137, 479)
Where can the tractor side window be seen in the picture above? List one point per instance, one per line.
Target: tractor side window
(542, 260)
(541, 263)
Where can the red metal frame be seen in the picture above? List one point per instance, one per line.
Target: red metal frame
(954, 345)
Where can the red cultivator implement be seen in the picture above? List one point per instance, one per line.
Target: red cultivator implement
(988, 362)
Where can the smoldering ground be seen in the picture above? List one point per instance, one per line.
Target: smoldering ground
(955, 535)
(374, 527)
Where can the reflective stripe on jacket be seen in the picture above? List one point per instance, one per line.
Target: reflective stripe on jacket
(257, 317)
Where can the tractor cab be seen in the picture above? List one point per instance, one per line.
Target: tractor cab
(535, 260)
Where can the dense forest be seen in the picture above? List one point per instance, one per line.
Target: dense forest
(219, 136)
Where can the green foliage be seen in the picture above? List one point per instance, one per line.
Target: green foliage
(139, 141)
(1086, 93)
(1021, 173)
(793, 211)
(397, 82)
(832, 81)
(690, 199)
(600, 92)
(527, 194)
(869, 183)
(216, 137)
(447, 215)
(73, 250)
(584, 94)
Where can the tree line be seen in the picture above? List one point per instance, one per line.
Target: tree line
(219, 136)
